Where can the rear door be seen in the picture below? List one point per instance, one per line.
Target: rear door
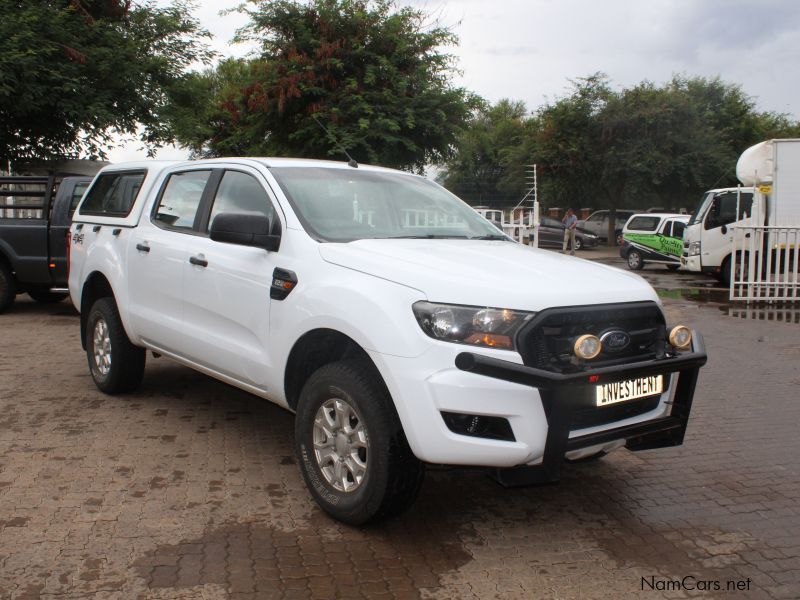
(227, 286)
(159, 248)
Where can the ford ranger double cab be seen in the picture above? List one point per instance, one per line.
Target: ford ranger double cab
(398, 325)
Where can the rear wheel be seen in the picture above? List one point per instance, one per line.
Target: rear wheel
(578, 243)
(46, 296)
(635, 262)
(352, 451)
(115, 363)
(8, 287)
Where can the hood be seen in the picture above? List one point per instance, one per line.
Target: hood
(489, 273)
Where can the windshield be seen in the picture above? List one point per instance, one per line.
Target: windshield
(702, 207)
(342, 205)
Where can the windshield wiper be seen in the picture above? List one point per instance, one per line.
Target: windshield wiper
(491, 236)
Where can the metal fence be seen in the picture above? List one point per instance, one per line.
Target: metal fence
(517, 225)
(764, 264)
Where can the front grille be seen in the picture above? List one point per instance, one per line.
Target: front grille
(547, 341)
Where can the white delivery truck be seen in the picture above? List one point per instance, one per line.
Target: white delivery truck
(769, 195)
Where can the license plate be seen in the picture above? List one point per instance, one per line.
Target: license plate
(622, 391)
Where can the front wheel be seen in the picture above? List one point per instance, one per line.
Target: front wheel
(635, 262)
(115, 363)
(352, 451)
(578, 243)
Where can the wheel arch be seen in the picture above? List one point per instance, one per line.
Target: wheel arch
(317, 348)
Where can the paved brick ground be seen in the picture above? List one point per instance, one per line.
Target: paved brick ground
(187, 489)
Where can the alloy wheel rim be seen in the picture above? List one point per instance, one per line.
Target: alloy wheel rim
(101, 346)
(633, 259)
(341, 445)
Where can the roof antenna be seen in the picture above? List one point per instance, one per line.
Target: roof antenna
(352, 162)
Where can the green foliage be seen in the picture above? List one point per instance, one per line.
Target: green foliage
(636, 147)
(372, 73)
(72, 72)
(477, 171)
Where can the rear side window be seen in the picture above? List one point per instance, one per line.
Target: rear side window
(113, 194)
(644, 223)
(180, 199)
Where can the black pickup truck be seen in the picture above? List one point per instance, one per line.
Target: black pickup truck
(35, 215)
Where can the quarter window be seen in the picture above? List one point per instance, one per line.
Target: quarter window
(180, 199)
(113, 194)
(241, 193)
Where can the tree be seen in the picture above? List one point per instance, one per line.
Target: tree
(477, 170)
(72, 72)
(371, 73)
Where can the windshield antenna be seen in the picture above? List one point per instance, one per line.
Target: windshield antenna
(352, 162)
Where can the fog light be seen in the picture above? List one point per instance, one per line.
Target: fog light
(680, 337)
(587, 347)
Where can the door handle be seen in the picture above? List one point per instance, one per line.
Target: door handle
(143, 247)
(200, 262)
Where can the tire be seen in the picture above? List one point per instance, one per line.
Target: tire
(116, 365)
(578, 244)
(47, 297)
(8, 287)
(635, 262)
(724, 274)
(673, 267)
(382, 477)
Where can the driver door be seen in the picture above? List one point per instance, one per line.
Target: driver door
(717, 236)
(227, 287)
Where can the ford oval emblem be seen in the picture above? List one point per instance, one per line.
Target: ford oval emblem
(615, 340)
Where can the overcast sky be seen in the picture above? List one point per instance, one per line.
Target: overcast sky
(530, 49)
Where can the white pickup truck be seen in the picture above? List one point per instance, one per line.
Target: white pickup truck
(400, 326)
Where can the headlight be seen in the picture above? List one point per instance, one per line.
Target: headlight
(694, 248)
(472, 325)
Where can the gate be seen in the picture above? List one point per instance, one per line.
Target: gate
(518, 228)
(764, 264)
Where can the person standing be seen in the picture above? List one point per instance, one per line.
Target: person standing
(570, 221)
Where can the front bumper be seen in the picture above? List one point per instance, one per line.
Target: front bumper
(563, 394)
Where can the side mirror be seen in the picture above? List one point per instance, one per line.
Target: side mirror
(724, 229)
(246, 229)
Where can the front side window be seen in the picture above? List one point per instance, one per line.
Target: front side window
(678, 227)
(644, 223)
(180, 199)
(343, 205)
(241, 193)
(723, 209)
(113, 194)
